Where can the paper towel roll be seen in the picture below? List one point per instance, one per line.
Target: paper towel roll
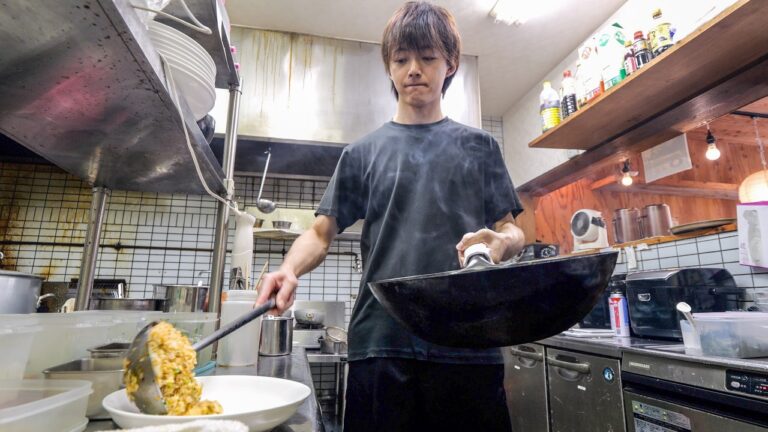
(242, 249)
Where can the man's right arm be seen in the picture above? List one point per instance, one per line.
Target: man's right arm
(306, 253)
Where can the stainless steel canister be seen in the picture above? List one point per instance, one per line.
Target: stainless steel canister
(183, 298)
(626, 225)
(655, 220)
(276, 335)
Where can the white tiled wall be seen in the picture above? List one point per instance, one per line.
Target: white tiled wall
(148, 238)
(494, 125)
(716, 250)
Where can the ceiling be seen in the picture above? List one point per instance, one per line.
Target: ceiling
(512, 59)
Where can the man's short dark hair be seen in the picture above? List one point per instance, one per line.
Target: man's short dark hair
(418, 26)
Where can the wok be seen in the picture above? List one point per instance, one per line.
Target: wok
(498, 305)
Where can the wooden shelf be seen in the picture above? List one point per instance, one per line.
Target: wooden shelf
(712, 190)
(671, 238)
(715, 70)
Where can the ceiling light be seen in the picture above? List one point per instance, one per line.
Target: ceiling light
(755, 187)
(513, 12)
(713, 153)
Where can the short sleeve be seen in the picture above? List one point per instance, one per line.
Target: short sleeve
(500, 195)
(344, 196)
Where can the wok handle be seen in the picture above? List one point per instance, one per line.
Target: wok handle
(526, 354)
(582, 368)
(234, 325)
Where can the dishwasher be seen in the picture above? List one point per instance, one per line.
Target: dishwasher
(525, 383)
(585, 393)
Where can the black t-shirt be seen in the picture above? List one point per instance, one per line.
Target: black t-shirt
(420, 188)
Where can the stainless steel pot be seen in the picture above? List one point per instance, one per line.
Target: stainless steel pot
(656, 219)
(19, 292)
(334, 341)
(151, 304)
(276, 335)
(626, 225)
(309, 317)
(183, 298)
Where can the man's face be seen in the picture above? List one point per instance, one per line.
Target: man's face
(418, 75)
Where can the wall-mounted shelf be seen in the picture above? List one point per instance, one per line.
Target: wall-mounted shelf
(82, 86)
(715, 70)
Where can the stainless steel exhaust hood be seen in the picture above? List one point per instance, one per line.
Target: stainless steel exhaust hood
(308, 89)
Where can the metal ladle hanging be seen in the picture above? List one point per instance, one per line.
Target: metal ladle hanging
(265, 206)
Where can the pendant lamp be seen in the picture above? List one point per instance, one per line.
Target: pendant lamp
(755, 187)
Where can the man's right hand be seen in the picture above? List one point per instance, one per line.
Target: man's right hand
(281, 285)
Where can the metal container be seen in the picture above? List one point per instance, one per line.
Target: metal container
(106, 375)
(19, 292)
(276, 336)
(334, 341)
(626, 225)
(656, 219)
(183, 298)
(112, 350)
(151, 304)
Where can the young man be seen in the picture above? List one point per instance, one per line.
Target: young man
(427, 187)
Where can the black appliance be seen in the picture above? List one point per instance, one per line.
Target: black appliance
(652, 298)
(600, 315)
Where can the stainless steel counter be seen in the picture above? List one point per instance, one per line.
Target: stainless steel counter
(673, 350)
(294, 367)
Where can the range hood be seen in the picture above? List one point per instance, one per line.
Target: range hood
(310, 90)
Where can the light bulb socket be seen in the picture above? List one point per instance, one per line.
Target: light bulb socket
(710, 138)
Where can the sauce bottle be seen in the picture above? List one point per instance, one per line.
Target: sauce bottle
(568, 103)
(640, 47)
(549, 107)
(630, 64)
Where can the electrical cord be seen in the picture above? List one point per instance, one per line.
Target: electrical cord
(198, 25)
(175, 99)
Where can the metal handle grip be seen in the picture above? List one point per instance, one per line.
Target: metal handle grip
(582, 368)
(234, 325)
(526, 354)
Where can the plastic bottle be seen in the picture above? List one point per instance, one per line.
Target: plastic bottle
(568, 98)
(240, 348)
(660, 36)
(549, 103)
(630, 64)
(640, 47)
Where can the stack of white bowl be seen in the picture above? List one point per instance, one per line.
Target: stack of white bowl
(193, 69)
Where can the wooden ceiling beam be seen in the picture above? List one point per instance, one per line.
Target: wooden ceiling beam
(712, 190)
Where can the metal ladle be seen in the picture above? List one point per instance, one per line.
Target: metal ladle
(685, 309)
(265, 206)
(148, 397)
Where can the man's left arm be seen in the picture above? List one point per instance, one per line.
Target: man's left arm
(504, 241)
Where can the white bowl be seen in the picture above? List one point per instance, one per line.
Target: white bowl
(260, 402)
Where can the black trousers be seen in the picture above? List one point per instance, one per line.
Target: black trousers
(400, 395)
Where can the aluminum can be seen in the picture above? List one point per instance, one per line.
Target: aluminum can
(617, 304)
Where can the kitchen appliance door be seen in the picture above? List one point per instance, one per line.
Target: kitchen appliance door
(584, 392)
(646, 413)
(525, 382)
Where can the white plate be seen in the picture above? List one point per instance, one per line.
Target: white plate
(168, 50)
(260, 402)
(175, 37)
(180, 63)
(199, 94)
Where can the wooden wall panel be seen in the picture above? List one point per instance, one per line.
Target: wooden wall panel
(738, 159)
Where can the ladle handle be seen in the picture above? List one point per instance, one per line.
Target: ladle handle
(234, 325)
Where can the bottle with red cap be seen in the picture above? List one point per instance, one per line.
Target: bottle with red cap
(568, 104)
(640, 47)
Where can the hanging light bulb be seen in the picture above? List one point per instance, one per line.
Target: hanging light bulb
(755, 187)
(713, 153)
(626, 176)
